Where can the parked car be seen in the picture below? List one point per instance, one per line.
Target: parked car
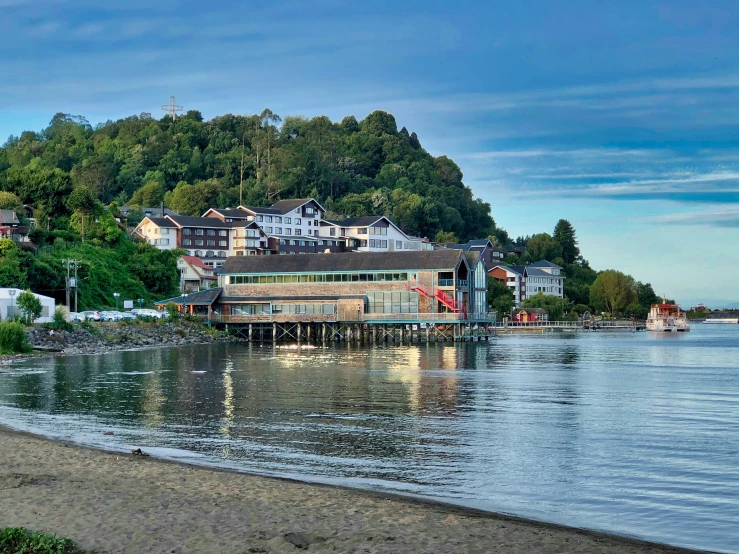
(75, 316)
(126, 315)
(147, 312)
(92, 315)
(109, 316)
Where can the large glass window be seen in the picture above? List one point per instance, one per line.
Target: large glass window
(393, 302)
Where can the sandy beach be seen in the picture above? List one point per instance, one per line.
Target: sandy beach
(109, 502)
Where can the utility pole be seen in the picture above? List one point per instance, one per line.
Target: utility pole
(66, 282)
(76, 287)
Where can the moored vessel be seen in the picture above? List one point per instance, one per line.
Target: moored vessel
(717, 320)
(667, 318)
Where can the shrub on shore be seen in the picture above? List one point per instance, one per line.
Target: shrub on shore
(18, 539)
(13, 339)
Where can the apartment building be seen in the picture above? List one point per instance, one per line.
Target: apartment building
(369, 234)
(527, 280)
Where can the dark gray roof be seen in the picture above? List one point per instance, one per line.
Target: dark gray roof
(156, 212)
(343, 261)
(520, 269)
(232, 212)
(201, 298)
(532, 271)
(9, 217)
(257, 210)
(190, 221)
(545, 263)
(162, 222)
(285, 206)
(359, 221)
(472, 257)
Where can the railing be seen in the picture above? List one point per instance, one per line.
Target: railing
(446, 282)
(463, 284)
(443, 316)
(573, 324)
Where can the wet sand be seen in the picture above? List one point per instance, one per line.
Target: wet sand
(109, 502)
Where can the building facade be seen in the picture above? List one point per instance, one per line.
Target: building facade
(195, 275)
(526, 281)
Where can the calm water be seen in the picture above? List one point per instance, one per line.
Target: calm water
(636, 434)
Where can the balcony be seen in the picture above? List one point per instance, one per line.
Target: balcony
(463, 284)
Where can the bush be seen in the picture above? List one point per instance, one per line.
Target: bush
(173, 312)
(18, 539)
(60, 321)
(13, 340)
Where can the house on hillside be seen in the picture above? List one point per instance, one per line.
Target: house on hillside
(11, 228)
(491, 255)
(373, 233)
(195, 275)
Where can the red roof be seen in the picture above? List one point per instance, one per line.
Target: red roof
(195, 262)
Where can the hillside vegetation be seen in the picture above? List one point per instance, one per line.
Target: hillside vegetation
(353, 168)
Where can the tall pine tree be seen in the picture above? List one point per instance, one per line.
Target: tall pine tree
(564, 234)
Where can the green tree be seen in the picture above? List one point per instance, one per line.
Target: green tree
(645, 295)
(150, 195)
(443, 237)
(557, 308)
(9, 201)
(543, 247)
(564, 234)
(30, 305)
(500, 297)
(12, 272)
(84, 204)
(612, 291)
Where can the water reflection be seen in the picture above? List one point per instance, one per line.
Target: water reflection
(628, 433)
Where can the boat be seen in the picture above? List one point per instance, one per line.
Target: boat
(667, 318)
(716, 320)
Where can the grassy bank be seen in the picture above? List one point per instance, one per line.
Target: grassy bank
(17, 540)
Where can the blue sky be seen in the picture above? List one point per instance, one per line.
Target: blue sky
(622, 117)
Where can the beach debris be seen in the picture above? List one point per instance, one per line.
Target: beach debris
(138, 452)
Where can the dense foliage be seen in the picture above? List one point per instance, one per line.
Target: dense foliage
(13, 340)
(353, 167)
(133, 269)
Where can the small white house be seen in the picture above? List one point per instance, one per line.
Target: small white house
(9, 305)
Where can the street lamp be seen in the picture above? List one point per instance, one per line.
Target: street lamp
(12, 292)
(117, 295)
(140, 301)
(184, 304)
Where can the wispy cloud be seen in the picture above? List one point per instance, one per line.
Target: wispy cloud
(727, 218)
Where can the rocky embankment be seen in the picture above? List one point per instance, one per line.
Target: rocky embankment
(107, 337)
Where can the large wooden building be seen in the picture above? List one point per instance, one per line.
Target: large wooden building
(422, 286)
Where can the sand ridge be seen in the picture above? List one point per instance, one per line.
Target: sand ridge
(115, 503)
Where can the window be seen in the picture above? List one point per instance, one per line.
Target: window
(222, 243)
(199, 242)
(297, 221)
(283, 242)
(164, 231)
(186, 231)
(278, 230)
(288, 231)
(302, 243)
(211, 243)
(186, 242)
(211, 232)
(398, 245)
(288, 220)
(209, 254)
(372, 243)
(268, 229)
(198, 231)
(309, 211)
(223, 233)
(268, 218)
(297, 232)
(198, 253)
(259, 218)
(278, 219)
(384, 244)
(320, 243)
(332, 231)
(297, 210)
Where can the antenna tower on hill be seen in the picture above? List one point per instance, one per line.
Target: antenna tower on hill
(172, 108)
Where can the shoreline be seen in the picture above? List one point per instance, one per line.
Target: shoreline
(148, 504)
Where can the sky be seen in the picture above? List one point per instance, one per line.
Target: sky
(621, 117)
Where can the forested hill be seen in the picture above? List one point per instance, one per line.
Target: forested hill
(353, 168)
